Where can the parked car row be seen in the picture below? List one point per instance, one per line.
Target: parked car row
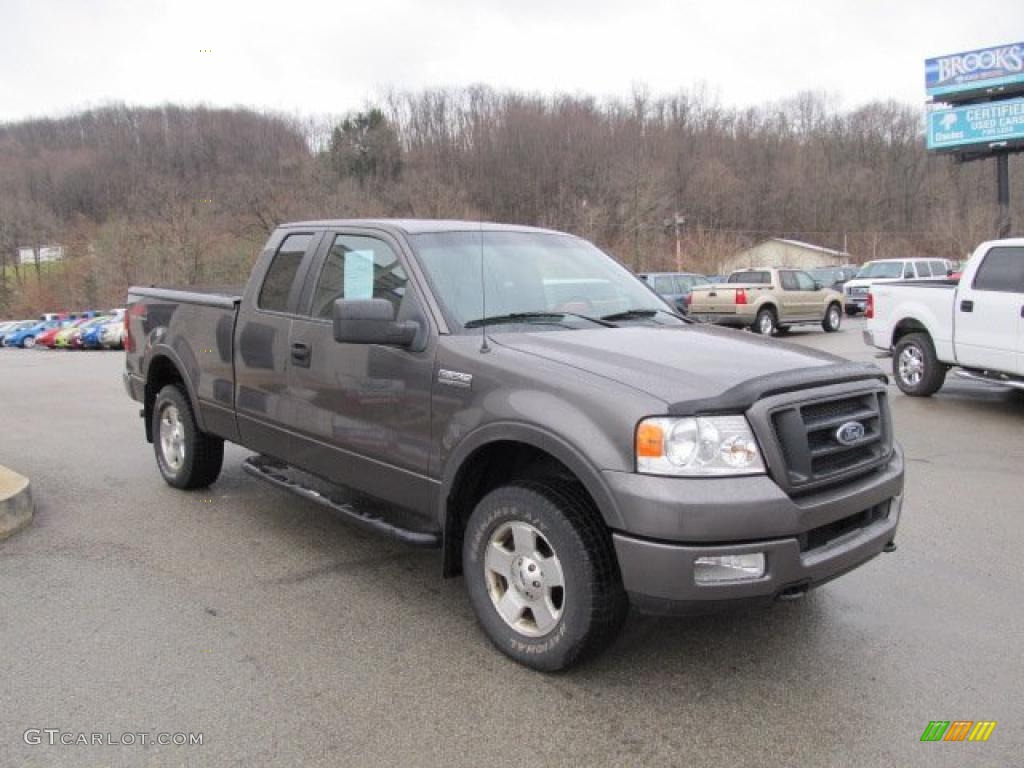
(88, 330)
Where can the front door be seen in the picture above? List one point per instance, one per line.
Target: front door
(812, 298)
(363, 410)
(988, 322)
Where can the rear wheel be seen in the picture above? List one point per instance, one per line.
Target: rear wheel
(833, 318)
(541, 574)
(187, 457)
(915, 366)
(765, 323)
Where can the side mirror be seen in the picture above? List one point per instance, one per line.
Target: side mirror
(818, 285)
(371, 321)
(949, 273)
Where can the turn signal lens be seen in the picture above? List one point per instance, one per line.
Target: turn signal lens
(869, 310)
(650, 440)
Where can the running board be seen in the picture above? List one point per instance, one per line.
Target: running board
(309, 487)
(973, 376)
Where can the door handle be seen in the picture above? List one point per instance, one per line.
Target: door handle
(966, 305)
(301, 355)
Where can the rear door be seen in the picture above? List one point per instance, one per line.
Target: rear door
(263, 408)
(989, 313)
(790, 297)
(362, 410)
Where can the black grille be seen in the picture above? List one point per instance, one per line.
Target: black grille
(807, 434)
(824, 534)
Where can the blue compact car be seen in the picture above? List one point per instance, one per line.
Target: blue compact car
(92, 336)
(26, 337)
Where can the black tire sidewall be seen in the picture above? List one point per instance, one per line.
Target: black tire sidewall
(172, 395)
(931, 376)
(757, 321)
(518, 503)
(827, 323)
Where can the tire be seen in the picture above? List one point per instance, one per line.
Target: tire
(833, 318)
(187, 458)
(915, 367)
(28, 342)
(551, 527)
(766, 322)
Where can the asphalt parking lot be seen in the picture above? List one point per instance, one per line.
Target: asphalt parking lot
(287, 637)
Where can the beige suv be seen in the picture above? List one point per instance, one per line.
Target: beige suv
(768, 300)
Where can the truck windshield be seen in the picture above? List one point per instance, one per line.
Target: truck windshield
(882, 269)
(526, 273)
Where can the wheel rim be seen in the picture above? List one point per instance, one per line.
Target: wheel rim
(30, 342)
(833, 317)
(524, 579)
(911, 366)
(172, 437)
(766, 324)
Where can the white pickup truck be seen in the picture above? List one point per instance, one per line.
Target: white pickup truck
(976, 324)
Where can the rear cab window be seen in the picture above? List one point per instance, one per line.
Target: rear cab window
(280, 278)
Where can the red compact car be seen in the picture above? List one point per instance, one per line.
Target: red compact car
(49, 338)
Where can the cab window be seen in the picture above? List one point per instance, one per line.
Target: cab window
(1002, 270)
(663, 285)
(358, 267)
(908, 270)
(788, 281)
(277, 284)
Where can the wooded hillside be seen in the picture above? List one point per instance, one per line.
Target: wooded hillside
(187, 195)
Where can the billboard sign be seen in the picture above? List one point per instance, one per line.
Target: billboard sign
(1001, 66)
(978, 125)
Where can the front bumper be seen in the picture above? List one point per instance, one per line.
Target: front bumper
(670, 527)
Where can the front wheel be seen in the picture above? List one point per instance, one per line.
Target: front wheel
(29, 342)
(541, 574)
(916, 367)
(833, 318)
(187, 457)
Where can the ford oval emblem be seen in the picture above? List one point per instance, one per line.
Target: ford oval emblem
(849, 433)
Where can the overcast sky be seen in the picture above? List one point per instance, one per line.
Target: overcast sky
(330, 56)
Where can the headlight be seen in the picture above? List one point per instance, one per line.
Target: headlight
(695, 446)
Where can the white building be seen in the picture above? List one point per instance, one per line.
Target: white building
(778, 252)
(46, 253)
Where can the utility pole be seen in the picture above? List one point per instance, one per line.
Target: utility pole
(676, 222)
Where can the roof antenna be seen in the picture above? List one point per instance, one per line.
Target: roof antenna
(484, 348)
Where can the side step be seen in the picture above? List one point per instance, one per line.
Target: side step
(995, 378)
(313, 488)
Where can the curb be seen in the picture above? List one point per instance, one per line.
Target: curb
(16, 506)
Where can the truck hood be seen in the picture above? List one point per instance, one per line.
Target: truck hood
(695, 367)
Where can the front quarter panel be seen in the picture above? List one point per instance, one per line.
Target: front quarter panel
(583, 420)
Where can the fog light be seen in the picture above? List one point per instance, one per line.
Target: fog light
(715, 570)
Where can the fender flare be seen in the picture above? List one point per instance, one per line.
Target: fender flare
(541, 439)
(163, 350)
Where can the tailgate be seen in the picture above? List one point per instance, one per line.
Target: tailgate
(717, 300)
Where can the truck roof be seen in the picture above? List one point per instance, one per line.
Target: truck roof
(422, 226)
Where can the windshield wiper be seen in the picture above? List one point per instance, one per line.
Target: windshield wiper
(635, 314)
(519, 317)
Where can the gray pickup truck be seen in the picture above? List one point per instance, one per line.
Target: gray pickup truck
(517, 399)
